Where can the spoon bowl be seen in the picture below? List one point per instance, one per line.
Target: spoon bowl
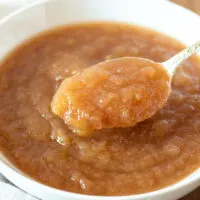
(115, 93)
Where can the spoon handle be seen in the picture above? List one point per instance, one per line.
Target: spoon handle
(171, 64)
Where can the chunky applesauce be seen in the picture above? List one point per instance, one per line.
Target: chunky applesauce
(116, 93)
(114, 161)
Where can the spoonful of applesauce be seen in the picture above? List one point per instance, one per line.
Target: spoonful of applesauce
(116, 93)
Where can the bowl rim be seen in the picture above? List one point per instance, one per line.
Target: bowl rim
(5, 167)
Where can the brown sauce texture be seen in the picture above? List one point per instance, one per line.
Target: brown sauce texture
(151, 155)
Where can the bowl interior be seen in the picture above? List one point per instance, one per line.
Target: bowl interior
(41, 16)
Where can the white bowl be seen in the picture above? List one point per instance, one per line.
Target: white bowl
(160, 15)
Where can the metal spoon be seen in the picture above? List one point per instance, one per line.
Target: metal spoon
(173, 63)
(116, 93)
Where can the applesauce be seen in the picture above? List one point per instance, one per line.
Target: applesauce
(116, 93)
(117, 161)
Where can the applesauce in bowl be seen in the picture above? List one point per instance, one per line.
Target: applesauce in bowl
(117, 161)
